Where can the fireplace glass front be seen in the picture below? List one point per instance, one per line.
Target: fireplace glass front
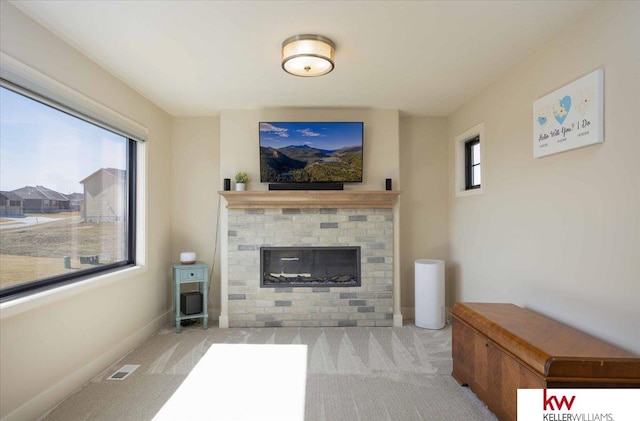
(310, 266)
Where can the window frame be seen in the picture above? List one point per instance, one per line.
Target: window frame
(462, 169)
(43, 284)
(469, 165)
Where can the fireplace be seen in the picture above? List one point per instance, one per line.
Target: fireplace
(309, 267)
(293, 237)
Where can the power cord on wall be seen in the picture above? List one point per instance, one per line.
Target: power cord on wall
(215, 247)
(189, 322)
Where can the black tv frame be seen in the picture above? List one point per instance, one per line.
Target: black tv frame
(305, 185)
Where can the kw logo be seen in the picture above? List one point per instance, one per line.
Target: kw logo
(548, 402)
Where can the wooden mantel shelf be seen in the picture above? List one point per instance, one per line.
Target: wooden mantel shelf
(361, 199)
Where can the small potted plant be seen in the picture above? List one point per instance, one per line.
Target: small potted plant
(241, 179)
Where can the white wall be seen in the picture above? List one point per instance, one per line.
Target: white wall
(195, 159)
(424, 231)
(51, 345)
(559, 234)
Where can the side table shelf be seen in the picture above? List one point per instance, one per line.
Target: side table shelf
(187, 274)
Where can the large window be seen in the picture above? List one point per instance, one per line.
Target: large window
(67, 195)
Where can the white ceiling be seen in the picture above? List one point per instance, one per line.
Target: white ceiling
(194, 58)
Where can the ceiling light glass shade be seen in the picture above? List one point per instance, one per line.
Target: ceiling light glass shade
(307, 55)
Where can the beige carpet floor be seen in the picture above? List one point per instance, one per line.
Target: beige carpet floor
(353, 373)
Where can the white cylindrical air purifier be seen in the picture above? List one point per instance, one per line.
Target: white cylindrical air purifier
(429, 290)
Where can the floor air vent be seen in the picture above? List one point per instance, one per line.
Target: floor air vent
(123, 372)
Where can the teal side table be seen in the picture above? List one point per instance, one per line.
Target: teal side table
(187, 274)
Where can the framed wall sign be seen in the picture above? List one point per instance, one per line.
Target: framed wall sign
(570, 117)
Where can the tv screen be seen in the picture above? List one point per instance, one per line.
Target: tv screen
(312, 152)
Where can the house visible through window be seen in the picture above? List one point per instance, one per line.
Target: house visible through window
(67, 189)
(473, 175)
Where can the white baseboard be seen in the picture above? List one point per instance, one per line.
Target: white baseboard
(40, 405)
(409, 313)
(397, 320)
(214, 313)
(223, 322)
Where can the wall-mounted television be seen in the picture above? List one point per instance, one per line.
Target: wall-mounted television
(311, 152)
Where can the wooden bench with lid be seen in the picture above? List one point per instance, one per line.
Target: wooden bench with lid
(498, 348)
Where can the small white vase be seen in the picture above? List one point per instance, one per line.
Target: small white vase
(240, 186)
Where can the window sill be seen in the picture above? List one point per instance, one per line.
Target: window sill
(22, 304)
(470, 192)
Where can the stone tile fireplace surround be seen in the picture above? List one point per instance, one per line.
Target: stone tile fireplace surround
(302, 219)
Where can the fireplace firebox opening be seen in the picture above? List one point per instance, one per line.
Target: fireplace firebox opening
(309, 266)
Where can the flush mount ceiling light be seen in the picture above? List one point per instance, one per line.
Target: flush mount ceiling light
(307, 55)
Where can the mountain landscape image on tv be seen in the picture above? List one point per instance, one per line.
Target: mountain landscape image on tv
(311, 152)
